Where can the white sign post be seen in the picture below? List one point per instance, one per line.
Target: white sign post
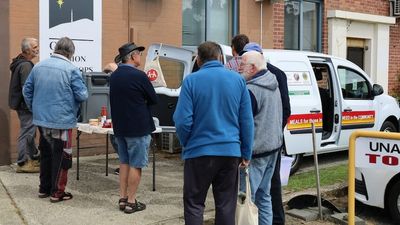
(81, 21)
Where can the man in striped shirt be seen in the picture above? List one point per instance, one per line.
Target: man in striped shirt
(238, 42)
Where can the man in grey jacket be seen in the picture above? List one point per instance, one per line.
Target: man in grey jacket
(267, 113)
(20, 68)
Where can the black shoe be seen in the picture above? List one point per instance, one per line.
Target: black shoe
(116, 171)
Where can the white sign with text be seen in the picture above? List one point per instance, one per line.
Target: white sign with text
(377, 153)
(81, 21)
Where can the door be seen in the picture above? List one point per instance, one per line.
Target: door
(329, 92)
(175, 64)
(304, 100)
(358, 110)
(355, 51)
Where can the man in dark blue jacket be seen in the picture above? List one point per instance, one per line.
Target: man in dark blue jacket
(131, 95)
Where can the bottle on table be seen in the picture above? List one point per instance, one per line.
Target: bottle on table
(103, 115)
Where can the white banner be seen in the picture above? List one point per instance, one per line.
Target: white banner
(80, 20)
(377, 153)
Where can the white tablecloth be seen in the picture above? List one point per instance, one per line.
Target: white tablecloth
(87, 128)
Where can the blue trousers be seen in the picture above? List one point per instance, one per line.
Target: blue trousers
(260, 172)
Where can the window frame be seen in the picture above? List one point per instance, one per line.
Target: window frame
(233, 12)
(319, 4)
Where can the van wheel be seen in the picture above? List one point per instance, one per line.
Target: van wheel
(297, 159)
(394, 201)
(388, 126)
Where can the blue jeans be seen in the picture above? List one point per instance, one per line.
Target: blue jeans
(260, 172)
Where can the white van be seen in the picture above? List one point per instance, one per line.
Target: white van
(333, 92)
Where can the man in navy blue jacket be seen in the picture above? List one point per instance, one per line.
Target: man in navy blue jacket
(131, 95)
(214, 123)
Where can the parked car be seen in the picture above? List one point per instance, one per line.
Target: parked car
(332, 92)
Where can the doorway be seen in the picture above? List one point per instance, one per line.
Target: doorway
(356, 51)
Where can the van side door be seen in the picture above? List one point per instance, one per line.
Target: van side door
(176, 63)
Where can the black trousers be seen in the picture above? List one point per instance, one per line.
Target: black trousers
(54, 165)
(276, 195)
(199, 174)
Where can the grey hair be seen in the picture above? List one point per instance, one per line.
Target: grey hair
(127, 57)
(256, 59)
(26, 43)
(65, 47)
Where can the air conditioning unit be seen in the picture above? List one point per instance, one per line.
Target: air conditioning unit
(395, 8)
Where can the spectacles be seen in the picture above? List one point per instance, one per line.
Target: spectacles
(245, 64)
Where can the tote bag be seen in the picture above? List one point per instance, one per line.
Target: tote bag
(154, 72)
(246, 210)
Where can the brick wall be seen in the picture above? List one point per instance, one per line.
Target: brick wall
(279, 23)
(376, 7)
(394, 57)
(23, 23)
(4, 77)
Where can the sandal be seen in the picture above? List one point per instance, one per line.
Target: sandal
(64, 197)
(43, 195)
(134, 207)
(122, 203)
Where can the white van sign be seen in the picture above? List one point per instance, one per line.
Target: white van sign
(377, 153)
(300, 78)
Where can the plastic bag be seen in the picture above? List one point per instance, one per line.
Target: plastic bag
(154, 72)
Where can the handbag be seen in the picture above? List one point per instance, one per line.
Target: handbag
(246, 210)
(154, 72)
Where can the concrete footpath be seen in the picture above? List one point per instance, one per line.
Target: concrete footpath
(95, 196)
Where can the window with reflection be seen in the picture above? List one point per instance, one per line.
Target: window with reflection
(353, 84)
(204, 20)
(303, 25)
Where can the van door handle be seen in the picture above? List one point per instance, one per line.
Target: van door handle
(315, 111)
(347, 110)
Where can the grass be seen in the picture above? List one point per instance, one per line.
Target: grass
(327, 176)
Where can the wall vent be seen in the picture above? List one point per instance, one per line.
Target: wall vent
(395, 8)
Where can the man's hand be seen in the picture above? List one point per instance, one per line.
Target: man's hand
(244, 163)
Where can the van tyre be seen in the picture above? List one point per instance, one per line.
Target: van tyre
(297, 159)
(394, 201)
(388, 126)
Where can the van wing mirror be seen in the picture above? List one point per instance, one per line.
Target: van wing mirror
(377, 90)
